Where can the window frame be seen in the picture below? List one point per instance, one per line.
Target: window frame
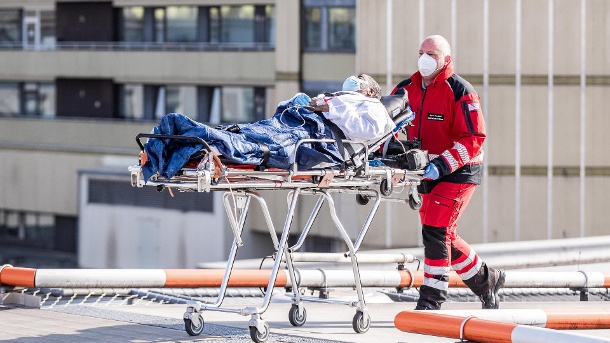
(325, 6)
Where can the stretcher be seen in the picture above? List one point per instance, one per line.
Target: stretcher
(368, 176)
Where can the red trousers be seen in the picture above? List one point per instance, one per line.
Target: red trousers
(443, 248)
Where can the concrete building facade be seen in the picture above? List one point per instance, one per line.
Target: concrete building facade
(79, 79)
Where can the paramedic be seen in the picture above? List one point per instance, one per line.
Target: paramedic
(449, 124)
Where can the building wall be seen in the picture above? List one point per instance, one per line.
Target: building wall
(41, 158)
(231, 68)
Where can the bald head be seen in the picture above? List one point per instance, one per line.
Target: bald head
(438, 49)
(438, 43)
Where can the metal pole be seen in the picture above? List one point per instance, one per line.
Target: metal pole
(420, 239)
(389, 86)
(471, 328)
(518, 123)
(388, 44)
(549, 167)
(486, 117)
(454, 31)
(559, 319)
(193, 278)
(421, 20)
(583, 84)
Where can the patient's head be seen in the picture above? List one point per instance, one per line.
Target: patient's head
(369, 87)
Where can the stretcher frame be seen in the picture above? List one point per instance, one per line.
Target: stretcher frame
(364, 181)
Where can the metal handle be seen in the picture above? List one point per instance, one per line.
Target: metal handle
(186, 138)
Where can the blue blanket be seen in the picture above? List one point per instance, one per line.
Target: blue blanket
(280, 134)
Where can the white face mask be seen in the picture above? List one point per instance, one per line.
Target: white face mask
(426, 65)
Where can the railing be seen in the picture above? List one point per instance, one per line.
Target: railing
(142, 46)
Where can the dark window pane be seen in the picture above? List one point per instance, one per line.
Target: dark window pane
(182, 24)
(238, 104)
(159, 25)
(47, 99)
(30, 99)
(214, 25)
(182, 99)
(132, 24)
(270, 24)
(131, 101)
(342, 28)
(10, 26)
(237, 24)
(121, 193)
(313, 27)
(47, 28)
(9, 98)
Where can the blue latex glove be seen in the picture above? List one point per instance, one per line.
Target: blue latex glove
(431, 172)
(300, 99)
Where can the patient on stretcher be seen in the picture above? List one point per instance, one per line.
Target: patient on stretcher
(356, 111)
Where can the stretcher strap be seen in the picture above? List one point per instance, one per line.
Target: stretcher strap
(339, 136)
(217, 165)
(265, 150)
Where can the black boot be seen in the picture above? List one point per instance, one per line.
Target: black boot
(426, 308)
(490, 299)
(485, 284)
(430, 298)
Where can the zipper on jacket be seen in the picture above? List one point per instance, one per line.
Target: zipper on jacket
(421, 113)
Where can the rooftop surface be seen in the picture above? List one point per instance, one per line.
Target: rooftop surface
(142, 319)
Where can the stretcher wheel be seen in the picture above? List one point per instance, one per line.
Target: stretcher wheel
(194, 329)
(361, 322)
(361, 199)
(386, 187)
(415, 201)
(258, 336)
(294, 317)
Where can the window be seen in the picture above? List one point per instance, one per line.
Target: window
(38, 99)
(47, 29)
(181, 24)
(39, 29)
(313, 27)
(329, 28)
(239, 24)
(268, 23)
(9, 98)
(181, 99)
(238, 104)
(111, 192)
(30, 98)
(30, 229)
(341, 28)
(231, 105)
(132, 24)
(209, 104)
(172, 99)
(131, 101)
(191, 24)
(10, 27)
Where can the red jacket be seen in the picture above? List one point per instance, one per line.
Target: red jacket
(449, 124)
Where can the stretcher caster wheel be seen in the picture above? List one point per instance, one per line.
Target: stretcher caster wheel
(194, 328)
(361, 199)
(386, 187)
(295, 318)
(258, 336)
(361, 322)
(415, 201)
